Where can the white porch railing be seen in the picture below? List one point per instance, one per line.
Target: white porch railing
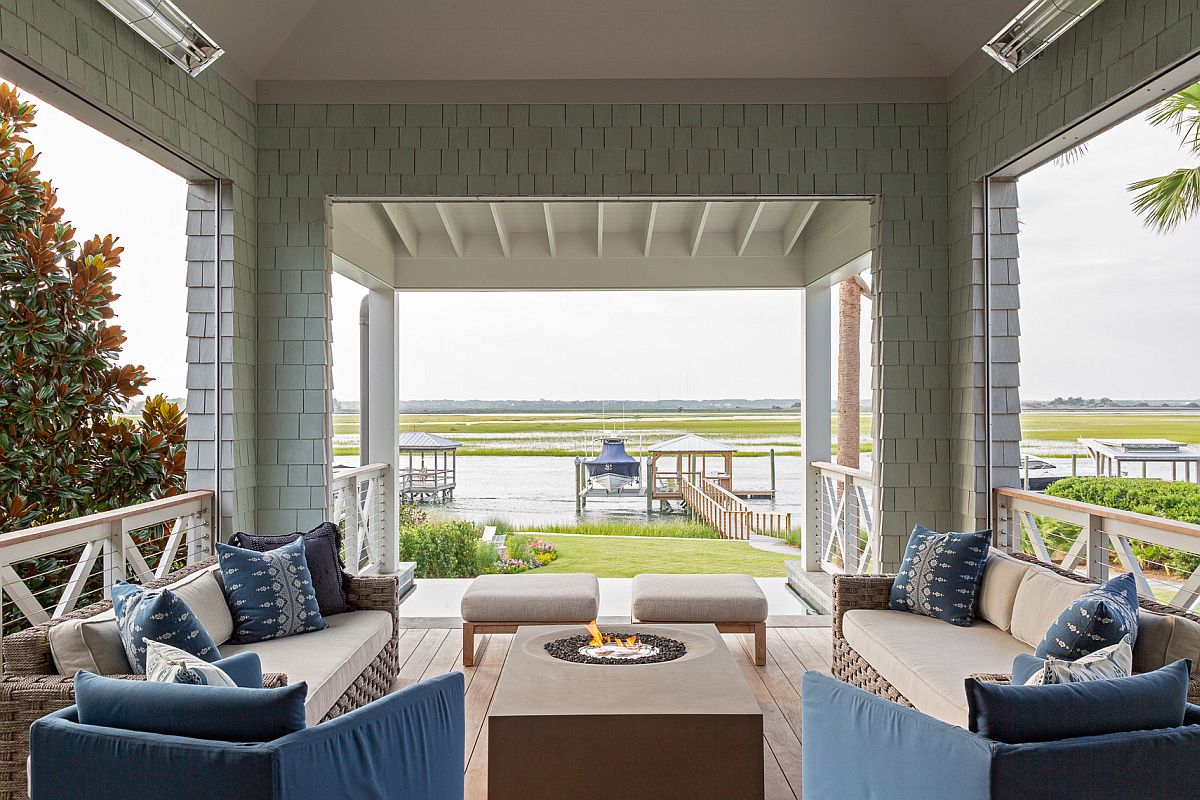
(1093, 537)
(358, 504)
(845, 531)
(50, 570)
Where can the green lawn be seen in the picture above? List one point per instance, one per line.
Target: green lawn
(609, 557)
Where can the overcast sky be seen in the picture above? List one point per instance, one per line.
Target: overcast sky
(1108, 307)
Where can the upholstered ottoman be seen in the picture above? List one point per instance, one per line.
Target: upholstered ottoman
(501, 603)
(734, 603)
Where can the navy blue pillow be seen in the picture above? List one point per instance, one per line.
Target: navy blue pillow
(200, 712)
(1100, 617)
(940, 574)
(244, 669)
(160, 616)
(1018, 714)
(270, 594)
(322, 552)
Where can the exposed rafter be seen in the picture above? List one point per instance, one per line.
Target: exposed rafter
(745, 228)
(550, 230)
(650, 227)
(599, 230)
(796, 225)
(403, 224)
(698, 227)
(501, 229)
(451, 229)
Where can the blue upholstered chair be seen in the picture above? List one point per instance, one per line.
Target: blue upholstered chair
(859, 745)
(405, 746)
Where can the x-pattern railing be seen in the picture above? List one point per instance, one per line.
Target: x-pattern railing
(846, 531)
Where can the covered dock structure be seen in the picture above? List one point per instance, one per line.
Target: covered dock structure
(427, 467)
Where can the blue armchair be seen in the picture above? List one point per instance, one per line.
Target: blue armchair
(859, 745)
(405, 746)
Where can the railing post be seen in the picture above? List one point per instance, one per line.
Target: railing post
(114, 557)
(1097, 558)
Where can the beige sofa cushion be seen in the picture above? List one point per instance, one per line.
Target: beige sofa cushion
(1163, 639)
(1041, 598)
(328, 660)
(94, 644)
(203, 593)
(568, 597)
(697, 598)
(926, 659)
(1002, 576)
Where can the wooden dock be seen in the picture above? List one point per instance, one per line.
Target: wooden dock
(729, 514)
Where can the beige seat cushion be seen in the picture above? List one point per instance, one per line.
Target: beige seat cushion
(1041, 598)
(1002, 576)
(568, 597)
(926, 659)
(698, 598)
(95, 645)
(329, 660)
(1164, 639)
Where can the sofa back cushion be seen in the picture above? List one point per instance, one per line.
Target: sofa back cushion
(1002, 576)
(94, 644)
(200, 712)
(1163, 639)
(1020, 714)
(1041, 599)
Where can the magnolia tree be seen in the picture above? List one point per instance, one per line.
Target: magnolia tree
(65, 448)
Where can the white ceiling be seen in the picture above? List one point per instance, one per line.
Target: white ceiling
(848, 47)
(589, 244)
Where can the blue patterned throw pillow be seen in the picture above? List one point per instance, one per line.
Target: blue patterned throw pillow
(1101, 617)
(940, 574)
(160, 616)
(270, 594)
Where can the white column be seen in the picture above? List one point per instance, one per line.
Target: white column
(383, 408)
(816, 401)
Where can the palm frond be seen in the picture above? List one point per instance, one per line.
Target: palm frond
(1181, 111)
(1166, 201)
(1068, 157)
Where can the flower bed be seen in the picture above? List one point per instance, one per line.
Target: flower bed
(523, 554)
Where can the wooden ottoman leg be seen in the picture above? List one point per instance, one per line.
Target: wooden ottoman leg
(468, 644)
(760, 644)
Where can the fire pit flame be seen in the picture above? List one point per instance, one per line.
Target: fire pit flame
(614, 647)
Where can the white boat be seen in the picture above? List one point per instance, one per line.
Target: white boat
(613, 469)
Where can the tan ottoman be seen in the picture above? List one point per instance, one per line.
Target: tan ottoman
(734, 603)
(501, 603)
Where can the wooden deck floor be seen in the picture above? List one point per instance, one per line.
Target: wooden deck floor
(790, 651)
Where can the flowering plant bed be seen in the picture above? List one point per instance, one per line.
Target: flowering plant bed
(522, 555)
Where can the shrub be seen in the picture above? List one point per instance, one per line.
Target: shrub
(486, 557)
(1169, 499)
(516, 547)
(441, 550)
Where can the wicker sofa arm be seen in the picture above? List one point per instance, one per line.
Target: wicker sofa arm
(859, 591)
(376, 593)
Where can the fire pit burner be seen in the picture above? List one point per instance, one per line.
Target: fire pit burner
(647, 648)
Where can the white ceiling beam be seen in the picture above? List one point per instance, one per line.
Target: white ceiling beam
(550, 230)
(650, 227)
(451, 229)
(501, 229)
(746, 227)
(698, 228)
(403, 224)
(796, 225)
(599, 230)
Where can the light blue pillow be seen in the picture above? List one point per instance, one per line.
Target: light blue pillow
(270, 594)
(940, 574)
(201, 712)
(161, 616)
(1099, 618)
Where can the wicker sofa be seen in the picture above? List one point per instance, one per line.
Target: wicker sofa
(921, 662)
(348, 665)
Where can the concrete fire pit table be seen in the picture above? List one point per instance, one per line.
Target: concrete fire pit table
(686, 728)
